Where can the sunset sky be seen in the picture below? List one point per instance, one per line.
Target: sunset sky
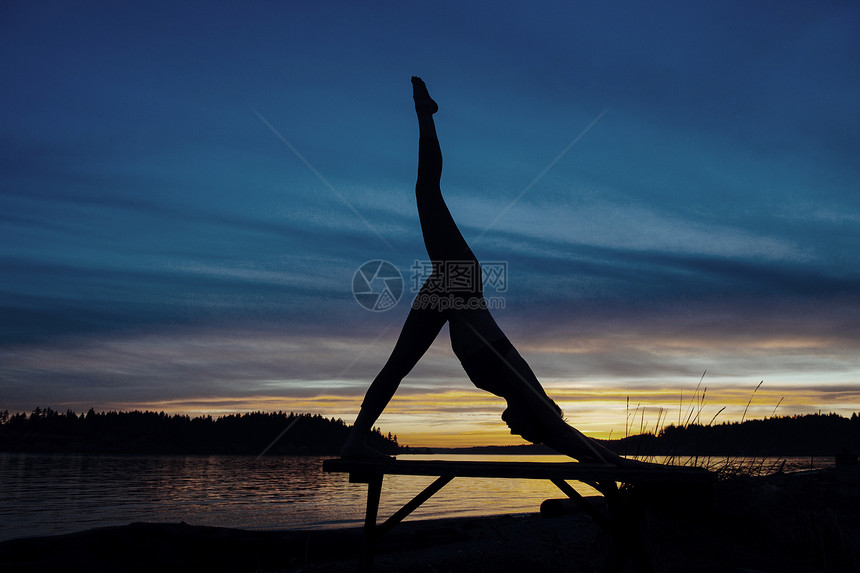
(187, 190)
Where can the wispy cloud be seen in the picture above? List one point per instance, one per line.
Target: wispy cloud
(323, 179)
(539, 176)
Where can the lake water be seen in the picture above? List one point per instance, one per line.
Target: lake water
(46, 494)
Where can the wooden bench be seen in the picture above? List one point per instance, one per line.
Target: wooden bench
(622, 518)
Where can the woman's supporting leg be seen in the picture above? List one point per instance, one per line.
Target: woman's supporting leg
(418, 333)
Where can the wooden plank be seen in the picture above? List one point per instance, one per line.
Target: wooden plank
(522, 470)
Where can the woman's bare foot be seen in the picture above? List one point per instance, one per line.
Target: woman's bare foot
(423, 102)
(569, 441)
(359, 450)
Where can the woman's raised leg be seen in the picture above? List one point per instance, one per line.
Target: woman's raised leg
(442, 238)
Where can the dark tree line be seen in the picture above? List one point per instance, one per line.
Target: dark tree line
(46, 430)
(807, 435)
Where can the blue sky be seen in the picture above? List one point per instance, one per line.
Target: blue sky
(187, 190)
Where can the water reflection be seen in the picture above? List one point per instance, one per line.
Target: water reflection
(48, 494)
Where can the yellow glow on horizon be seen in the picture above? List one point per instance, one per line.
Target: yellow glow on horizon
(595, 377)
(471, 417)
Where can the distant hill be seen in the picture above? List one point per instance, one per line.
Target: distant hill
(45, 430)
(809, 435)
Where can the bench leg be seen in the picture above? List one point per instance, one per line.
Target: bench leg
(374, 489)
(416, 502)
(628, 515)
(372, 531)
(623, 524)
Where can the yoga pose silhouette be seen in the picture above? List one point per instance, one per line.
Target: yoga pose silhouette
(488, 357)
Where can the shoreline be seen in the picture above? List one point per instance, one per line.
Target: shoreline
(179, 546)
(808, 521)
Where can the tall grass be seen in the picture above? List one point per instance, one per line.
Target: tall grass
(690, 416)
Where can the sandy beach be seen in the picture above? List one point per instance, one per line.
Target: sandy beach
(786, 522)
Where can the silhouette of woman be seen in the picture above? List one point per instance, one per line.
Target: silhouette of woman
(487, 356)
